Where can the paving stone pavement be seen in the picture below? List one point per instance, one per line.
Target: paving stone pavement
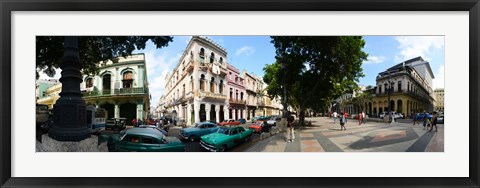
(374, 136)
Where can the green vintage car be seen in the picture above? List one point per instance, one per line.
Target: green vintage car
(145, 140)
(225, 138)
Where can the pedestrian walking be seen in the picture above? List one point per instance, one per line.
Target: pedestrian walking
(424, 119)
(346, 117)
(414, 119)
(290, 129)
(134, 122)
(342, 122)
(363, 117)
(434, 122)
(359, 117)
(427, 121)
(334, 117)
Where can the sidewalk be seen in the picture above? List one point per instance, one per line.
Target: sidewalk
(324, 136)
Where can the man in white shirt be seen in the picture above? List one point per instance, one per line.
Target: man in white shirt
(363, 117)
(334, 116)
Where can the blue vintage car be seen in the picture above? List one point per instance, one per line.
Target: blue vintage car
(420, 116)
(198, 130)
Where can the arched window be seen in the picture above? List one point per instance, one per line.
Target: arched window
(191, 55)
(212, 85)
(212, 57)
(220, 61)
(241, 96)
(231, 93)
(202, 56)
(89, 83)
(202, 53)
(127, 79)
(202, 82)
(106, 81)
(221, 87)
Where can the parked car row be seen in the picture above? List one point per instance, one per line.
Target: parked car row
(394, 114)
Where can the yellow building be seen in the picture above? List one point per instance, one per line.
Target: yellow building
(51, 95)
(410, 88)
(439, 99)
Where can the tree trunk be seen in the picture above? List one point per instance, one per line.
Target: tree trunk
(301, 114)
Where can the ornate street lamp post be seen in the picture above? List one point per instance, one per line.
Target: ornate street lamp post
(69, 110)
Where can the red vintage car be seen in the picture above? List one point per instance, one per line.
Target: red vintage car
(229, 122)
(259, 126)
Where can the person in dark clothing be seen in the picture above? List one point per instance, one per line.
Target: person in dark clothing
(434, 122)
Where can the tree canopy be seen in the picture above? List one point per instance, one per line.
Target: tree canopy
(319, 69)
(92, 50)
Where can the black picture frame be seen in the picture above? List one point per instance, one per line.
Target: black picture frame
(8, 6)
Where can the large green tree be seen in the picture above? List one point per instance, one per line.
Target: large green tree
(92, 50)
(318, 69)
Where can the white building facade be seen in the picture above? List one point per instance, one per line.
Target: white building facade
(196, 88)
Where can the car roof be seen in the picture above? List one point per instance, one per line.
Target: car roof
(145, 132)
(206, 122)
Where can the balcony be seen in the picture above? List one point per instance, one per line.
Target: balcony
(411, 93)
(237, 101)
(116, 92)
(210, 95)
(189, 67)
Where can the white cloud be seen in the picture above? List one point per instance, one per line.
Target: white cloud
(158, 66)
(439, 81)
(374, 60)
(247, 50)
(414, 46)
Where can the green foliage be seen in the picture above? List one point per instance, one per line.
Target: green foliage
(92, 50)
(319, 69)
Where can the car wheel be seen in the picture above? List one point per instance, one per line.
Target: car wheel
(223, 148)
(191, 138)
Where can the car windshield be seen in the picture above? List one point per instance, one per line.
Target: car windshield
(258, 123)
(223, 131)
(197, 125)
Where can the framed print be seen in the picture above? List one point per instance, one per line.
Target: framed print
(213, 78)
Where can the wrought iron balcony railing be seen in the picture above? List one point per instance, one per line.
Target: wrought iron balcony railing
(112, 92)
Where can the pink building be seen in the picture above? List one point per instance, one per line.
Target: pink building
(236, 94)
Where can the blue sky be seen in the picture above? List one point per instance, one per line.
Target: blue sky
(252, 53)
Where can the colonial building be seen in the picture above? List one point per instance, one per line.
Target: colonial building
(41, 87)
(439, 99)
(51, 95)
(196, 88)
(236, 94)
(261, 105)
(409, 85)
(272, 106)
(121, 88)
(250, 82)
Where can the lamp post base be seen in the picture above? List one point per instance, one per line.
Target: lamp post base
(86, 145)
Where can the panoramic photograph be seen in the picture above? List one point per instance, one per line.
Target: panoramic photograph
(239, 93)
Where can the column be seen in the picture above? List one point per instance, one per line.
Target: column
(188, 119)
(225, 112)
(217, 113)
(117, 111)
(140, 76)
(207, 111)
(238, 114)
(244, 113)
(405, 109)
(196, 107)
(140, 110)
